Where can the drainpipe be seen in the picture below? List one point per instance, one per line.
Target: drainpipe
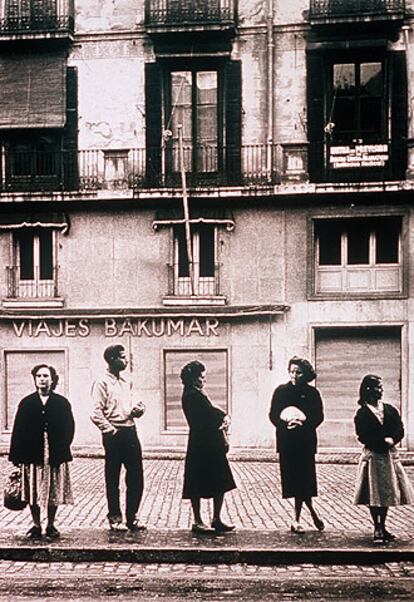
(270, 83)
(410, 93)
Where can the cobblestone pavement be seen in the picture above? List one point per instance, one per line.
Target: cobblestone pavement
(255, 505)
(68, 570)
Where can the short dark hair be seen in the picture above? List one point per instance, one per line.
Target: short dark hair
(191, 372)
(308, 370)
(367, 384)
(112, 352)
(54, 375)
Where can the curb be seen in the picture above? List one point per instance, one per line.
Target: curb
(150, 555)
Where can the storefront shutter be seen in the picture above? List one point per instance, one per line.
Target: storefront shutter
(399, 114)
(233, 121)
(315, 95)
(153, 121)
(343, 357)
(32, 90)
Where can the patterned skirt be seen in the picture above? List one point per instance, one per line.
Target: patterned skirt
(382, 481)
(44, 485)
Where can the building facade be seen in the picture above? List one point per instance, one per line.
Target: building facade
(285, 128)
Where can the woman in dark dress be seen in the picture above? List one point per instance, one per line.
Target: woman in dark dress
(297, 411)
(381, 480)
(40, 444)
(207, 471)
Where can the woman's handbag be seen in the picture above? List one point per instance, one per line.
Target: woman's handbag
(13, 492)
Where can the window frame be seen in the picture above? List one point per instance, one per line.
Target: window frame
(313, 259)
(201, 283)
(194, 67)
(36, 287)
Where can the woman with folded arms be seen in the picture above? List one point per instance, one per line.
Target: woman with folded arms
(381, 480)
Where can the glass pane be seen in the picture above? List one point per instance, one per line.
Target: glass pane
(206, 121)
(358, 242)
(387, 234)
(206, 238)
(329, 236)
(344, 118)
(183, 265)
(371, 116)
(46, 255)
(344, 79)
(26, 255)
(371, 83)
(181, 114)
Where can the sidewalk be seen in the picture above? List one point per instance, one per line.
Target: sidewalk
(256, 508)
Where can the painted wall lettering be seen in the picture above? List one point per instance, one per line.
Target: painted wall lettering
(137, 327)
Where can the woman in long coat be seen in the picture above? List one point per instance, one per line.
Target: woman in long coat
(297, 411)
(207, 471)
(42, 435)
(381, 479)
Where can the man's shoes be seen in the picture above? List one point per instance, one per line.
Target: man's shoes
(34, 533)
(221, 527)
(379, 536)
(136, 526)
(200, 529)
(52, 532)
(388, 536)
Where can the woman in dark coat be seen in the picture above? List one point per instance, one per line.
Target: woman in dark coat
(297, 411)
(381, 480)
(42, 434)
(207, 471)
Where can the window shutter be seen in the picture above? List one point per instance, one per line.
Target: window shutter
(399, 114)
(70, 132)
(315, 99)
(233, 121)
(153, 121)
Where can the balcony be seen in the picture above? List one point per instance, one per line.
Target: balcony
(120, 170)
(167, 16)
(51, 19)
(325, 12)
(35, 288)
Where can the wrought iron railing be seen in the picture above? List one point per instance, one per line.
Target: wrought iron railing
(137, 168)
(34, 286)
(202, 286)
(354, 8)
(178, 12)
(37, 17)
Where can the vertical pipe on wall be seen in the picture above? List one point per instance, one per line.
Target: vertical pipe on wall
(270, 83)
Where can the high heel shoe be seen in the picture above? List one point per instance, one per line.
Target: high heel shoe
(296, 527)
(221, 527)
(319, 524)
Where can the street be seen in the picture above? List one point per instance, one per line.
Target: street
(85, 582)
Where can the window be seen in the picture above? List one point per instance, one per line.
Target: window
(204, 98)
(357, 115)
(358, 102)
(358, 255)
(33, 161)
(194, 108)
(205, 272)
(216, 363)
(34, 272)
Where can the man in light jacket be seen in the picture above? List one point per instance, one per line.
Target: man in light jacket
(114, 414)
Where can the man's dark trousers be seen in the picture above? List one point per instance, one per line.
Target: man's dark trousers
(123, 448)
